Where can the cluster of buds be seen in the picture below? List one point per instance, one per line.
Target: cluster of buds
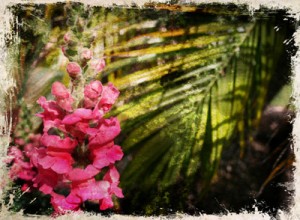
(73, 160)
(81, 58)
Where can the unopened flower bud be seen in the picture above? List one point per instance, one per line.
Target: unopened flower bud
(73, 69)
(97, 64)
(64, 50)
(67, 37)
(86, 54)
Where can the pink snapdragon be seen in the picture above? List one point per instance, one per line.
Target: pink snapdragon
(81, 146)
(77, 145)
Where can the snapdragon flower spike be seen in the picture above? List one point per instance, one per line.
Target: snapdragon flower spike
(76, 145)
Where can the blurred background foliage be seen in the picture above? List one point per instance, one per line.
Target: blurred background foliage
(194, 79)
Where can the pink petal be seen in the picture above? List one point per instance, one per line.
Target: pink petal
(61, 166)
(60, 91)
(118, 192)
(55, 142)
(94, 191)
(109, 97)
(46, 189)
(112, 175)
(78, 174)
(93, 90)
(89, 103)
(52, 110)
(28, 149)
(106, 133)
(48, 124)
(106, 203)
(78, 115)
(15, 152)
(97, 64)
(67, 37)
(101, 162)
(66, 104)
(59, 162)
(60, 204)
(47, 179)
(105, 156)
(82, 126)
(84, 113)
(73, 198)
(71, 119)
(27, 175)
(46, 162)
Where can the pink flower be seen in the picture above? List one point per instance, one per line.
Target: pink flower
(86, 54)
(73, 69)
(109, 96)
(14, 153)
(97, 64)
(55, 143)
(61, 205)
(92, 93)
(60, 163)
(77, 174)
(30, 148)
(62, 95)
(19, 169)
(46, 180)
(79, 121)
(60, 91)
(106, 203)
(106, 155)
(51, 110)
(26, 173)
(22, 170)
(93, 90)
(91, 189)
(112, 176)
(78, 115)
(104, 133)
